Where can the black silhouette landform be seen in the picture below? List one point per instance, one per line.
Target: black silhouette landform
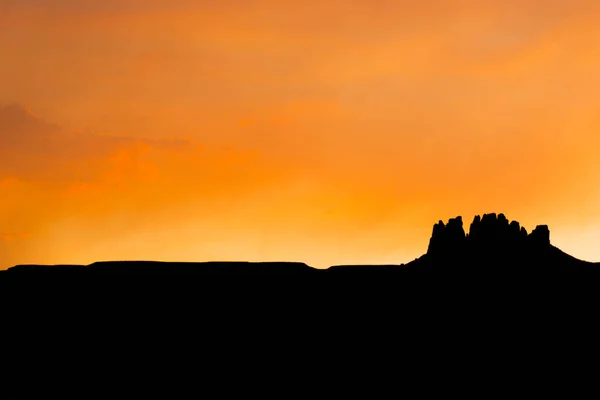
(493, 247)
(233, 317)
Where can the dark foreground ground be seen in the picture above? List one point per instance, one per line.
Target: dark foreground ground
(477, 310)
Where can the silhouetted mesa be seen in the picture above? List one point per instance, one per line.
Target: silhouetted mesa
(153, 271)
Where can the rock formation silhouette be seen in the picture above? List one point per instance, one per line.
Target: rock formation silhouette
(487, 233)
(494, 245)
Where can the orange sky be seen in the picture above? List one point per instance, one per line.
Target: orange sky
(322, 131)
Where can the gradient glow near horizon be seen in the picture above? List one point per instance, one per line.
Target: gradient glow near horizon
(326, 132)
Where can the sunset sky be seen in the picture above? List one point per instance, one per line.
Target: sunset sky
(324, 131)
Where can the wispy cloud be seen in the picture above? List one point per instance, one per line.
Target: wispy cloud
(32, 149)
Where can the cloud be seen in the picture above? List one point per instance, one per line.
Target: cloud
(34, 150)
(8, 237)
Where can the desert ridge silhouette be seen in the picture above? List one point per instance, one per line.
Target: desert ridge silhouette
(492, 246)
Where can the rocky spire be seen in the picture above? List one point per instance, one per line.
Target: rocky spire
(540, 236)
(447, 238)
